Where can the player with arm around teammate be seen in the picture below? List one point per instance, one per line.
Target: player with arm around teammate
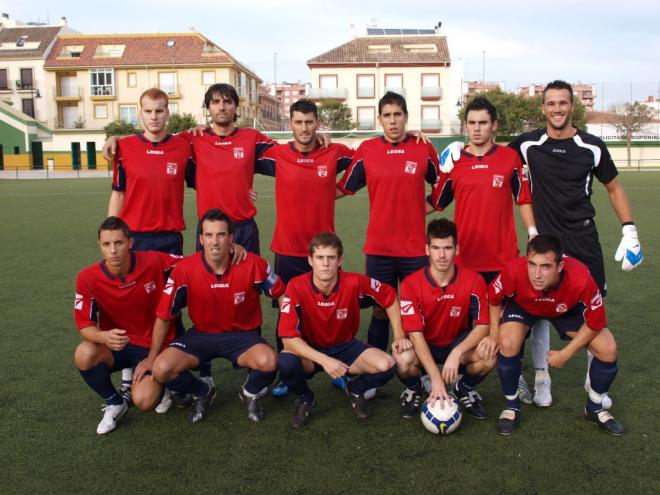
(115, 310)
(223, 304)
(544, 284)
(445, 315)
(320, 316)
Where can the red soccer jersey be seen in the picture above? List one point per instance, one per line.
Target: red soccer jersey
(327, 321)
(224, 170)
(219, 303)
(128, 303)
(484, 188)
(394, 175)
(576, 287)
(443, 312)
(305, 193)
(152, 176)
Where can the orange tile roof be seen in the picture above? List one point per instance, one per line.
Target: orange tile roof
(141, 50)
(42, 34)
(357, 51)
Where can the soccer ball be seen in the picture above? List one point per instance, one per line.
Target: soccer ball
(441, 421)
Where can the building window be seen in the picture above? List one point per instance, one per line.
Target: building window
(28, 106)
(101, 111)
(242, 91)
(431, 86)
(71, 51)
(393, 82)
(366, 118)
(366, 85)
(253, 90)
(167, 82)
(328, 81)
(173, 108)
(107, 51)
(3, 79)
(431, 117)
(26, 79)
(208, 77)
(128, 113)
(131, 80)
(101, 82)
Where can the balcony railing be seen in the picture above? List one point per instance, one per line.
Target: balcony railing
(67, 92)
(365, 92)
(333, 93)
(366, 125)
(396, 89)
(431, 124)
(431, 92)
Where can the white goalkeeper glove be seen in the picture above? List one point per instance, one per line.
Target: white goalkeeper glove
(449, 155)
(629, 249)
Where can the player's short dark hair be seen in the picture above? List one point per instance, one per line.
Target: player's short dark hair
(481, 103)
(114, 223)
(304, 105)
(441, 228)
(546, 243)
(392, 98)
(215, 215)
(326, 239)
(558, 84)
(224, 90)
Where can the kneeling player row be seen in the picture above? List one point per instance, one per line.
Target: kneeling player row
(127, 304)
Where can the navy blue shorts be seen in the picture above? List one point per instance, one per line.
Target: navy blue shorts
(288, 267)
(206, 346)
(571, 321)
(587, 249)
(246, 233)
(165, 242)
(129, 357)
(392, 269)
(440, 352)
(347, 353)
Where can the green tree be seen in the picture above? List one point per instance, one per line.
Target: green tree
(178, 123)
(335, 116)
(518, 113)
(630, 119)
(119, 128)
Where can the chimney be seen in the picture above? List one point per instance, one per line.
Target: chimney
(63, 21)
(650, 99)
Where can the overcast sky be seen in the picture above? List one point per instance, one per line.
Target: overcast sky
(611, 42)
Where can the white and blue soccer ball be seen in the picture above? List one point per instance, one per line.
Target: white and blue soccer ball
(441, 421)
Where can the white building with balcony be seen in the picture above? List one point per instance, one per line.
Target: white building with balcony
(413, 63)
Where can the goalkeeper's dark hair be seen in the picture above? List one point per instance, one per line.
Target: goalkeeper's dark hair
(546, 243)
(215, 215)
(558, 84)
(441, 228)
(481, 103)
(114, 223)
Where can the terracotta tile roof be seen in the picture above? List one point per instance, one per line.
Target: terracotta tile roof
(42, 34)
(357, 51)
(140, 50)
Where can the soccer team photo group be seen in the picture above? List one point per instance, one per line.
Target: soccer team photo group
(460, 299)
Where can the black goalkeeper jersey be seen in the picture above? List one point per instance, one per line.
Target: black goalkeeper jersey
(561, 173)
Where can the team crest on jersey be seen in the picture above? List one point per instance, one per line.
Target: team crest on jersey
(407, 308)
(286, 305)
(171, 168)
(78, 304)
(342, 313)
(498, 180)
(239, 297)
(239, 153)
(561, 308)
(375, 285)
(596, 301)
(322, 170)
(455, 312)
(149, 287)
(411, 167)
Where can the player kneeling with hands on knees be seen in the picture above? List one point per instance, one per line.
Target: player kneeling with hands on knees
(544, 284)
(445, 314)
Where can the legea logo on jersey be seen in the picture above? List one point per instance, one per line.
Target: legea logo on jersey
(322, 170)
(407, 308)
(286, 305)
(155, 152)
(561, 308)
(239, 297)
(498, 180)
(149, 287)
(78, 304)
(411, 167)
(455, 312)
(342, 313)
(171, 168)
(239, 153)
(375, 285)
